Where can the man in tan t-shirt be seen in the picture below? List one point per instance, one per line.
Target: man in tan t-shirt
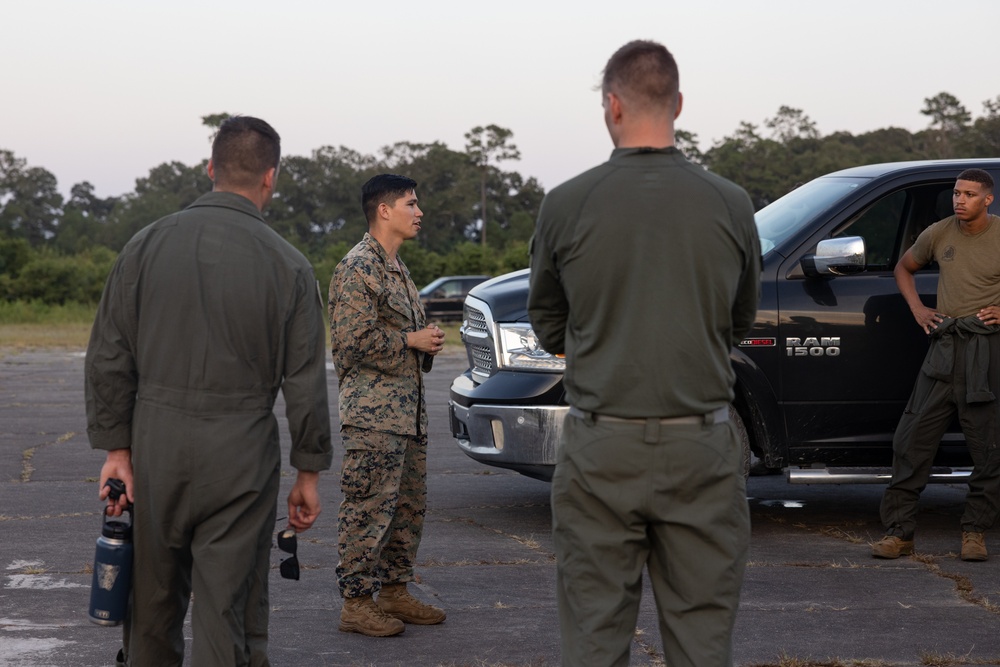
(960, 373)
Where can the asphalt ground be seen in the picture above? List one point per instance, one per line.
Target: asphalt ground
(812, 596)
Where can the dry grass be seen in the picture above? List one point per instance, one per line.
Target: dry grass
(486, 663)
(952, 660)
(64, 336)
(791, 661)
(452, 338)
(74, 336)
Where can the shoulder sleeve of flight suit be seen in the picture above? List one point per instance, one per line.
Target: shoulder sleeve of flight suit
(548, 308)
(110, 377)
(304, 384)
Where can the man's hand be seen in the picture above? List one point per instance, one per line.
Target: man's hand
(906, 268)
(303, 501)
(429, 340)
(927, 318)
(118, 465)
(989, 315)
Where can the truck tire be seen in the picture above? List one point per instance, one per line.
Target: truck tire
(741, 433)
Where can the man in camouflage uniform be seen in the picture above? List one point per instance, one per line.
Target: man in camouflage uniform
(380, 347)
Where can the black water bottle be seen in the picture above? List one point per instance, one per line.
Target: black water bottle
(112, 582)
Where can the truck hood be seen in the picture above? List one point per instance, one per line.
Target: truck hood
(506, 296)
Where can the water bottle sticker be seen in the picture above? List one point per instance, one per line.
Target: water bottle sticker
(107, 575)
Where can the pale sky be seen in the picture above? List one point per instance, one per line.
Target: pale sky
(105, 90)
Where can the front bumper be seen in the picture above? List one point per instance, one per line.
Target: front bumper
(504, 433)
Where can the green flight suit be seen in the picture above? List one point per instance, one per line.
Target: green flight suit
(207, 313)
(645, 271)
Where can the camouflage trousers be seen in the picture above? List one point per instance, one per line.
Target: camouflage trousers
(381, 519)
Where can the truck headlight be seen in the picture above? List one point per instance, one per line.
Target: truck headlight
(519, 348)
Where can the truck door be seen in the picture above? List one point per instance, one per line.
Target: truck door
(849, 347)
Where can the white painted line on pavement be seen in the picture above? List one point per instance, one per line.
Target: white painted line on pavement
(39, 582)
(22, 564)
(27, 652)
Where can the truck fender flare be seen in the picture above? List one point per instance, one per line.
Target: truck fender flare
(757, 406)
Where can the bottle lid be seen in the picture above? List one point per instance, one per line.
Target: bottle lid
(117, 528)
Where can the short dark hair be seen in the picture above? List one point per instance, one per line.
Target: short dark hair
(645, 73)
(243, 150)
(980, 176)
(384, 189)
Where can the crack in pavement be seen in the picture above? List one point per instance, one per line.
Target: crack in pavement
(28, 454)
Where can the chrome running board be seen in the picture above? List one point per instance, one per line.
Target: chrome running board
(835, 475)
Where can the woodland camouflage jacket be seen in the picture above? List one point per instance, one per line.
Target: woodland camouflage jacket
(373, 305)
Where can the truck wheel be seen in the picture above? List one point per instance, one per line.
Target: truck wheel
(741, 433)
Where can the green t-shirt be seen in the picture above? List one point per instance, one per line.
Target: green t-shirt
(969, 264)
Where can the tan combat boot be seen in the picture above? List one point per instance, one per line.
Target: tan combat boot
(396, 601)
(973, 546)
(363, 616)
(891, 546)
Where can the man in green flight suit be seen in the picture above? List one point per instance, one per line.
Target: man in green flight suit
(644, 273)
(381, 346)
(207, 313)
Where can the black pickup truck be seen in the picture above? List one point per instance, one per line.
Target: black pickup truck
(823, 376)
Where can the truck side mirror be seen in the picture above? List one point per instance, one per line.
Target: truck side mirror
(836, 257)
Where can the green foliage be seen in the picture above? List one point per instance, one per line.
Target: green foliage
(484, 147)
(169, 187)
(687, 143)
(324, 266)
(448, 189)
(56, 279)
(946, 112)
(318, 199)
(56, 252)
(14, 254)
(470, 258)
(215, 120)
(30, 204)
(424, 265)
(514, 257)
(769, 167)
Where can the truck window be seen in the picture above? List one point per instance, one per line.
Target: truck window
(792, 213)
(891, 225)
(879, 226)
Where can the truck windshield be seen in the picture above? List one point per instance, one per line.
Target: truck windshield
(786, 216)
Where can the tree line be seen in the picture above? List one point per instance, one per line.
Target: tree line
(480, 216)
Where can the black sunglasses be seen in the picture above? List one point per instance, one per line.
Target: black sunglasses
(287, 542)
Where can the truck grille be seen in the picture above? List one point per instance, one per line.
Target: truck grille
(482, 359)
(475, 320)
(477, 334)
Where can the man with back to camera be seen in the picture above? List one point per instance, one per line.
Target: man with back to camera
(644, 272)
(207, 313)
(381, 347)
(960, 374)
